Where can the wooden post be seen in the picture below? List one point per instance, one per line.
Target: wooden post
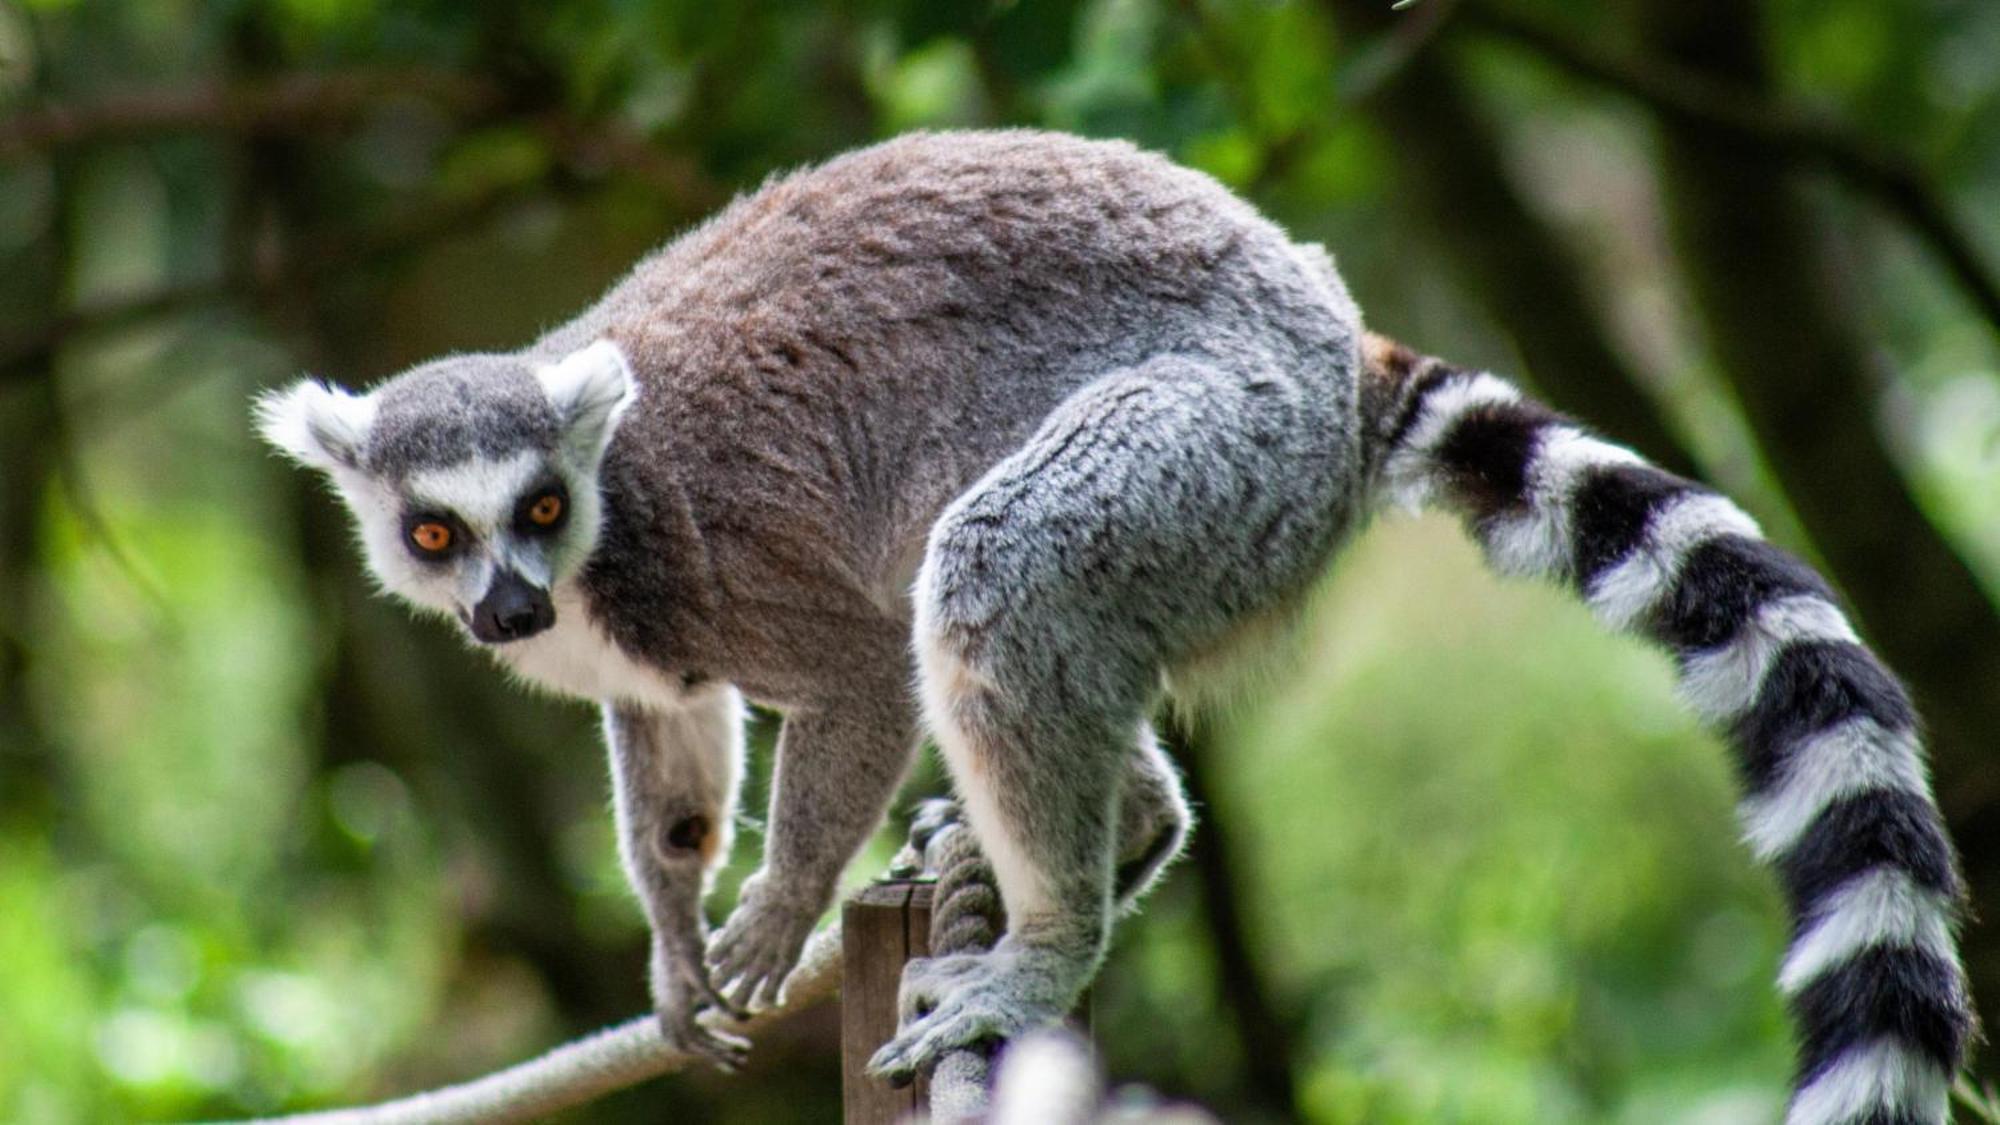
(881, 927)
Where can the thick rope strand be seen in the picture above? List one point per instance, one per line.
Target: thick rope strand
(966, 917)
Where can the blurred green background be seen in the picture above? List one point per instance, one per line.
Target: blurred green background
(266, 843)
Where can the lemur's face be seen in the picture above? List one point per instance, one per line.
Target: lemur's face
(472, 479)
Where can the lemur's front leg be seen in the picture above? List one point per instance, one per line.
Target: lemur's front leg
(675, 773)
(837, 766)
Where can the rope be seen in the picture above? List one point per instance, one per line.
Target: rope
(966, 917)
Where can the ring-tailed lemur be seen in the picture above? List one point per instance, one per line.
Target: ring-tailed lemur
(1048, 426)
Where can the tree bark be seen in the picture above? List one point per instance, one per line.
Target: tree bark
(31, 777)
(1789, 339)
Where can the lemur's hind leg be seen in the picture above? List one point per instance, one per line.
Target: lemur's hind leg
(1153, 819)
(1153, 511)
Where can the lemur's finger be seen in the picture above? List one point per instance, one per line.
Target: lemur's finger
(719, 949)
(726, 953)
(888, 1063)
(683, 1031)
(900, 1060)
(745, 989)
(709, 994)
(774, 983)
(726, 1052)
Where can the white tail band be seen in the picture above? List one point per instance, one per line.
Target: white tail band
(1721, 683)
(1622, 595)
(1855, 757)
(1883, 907)
(1881, 1074)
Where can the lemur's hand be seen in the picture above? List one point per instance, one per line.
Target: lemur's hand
(759, 945)
(682, 995)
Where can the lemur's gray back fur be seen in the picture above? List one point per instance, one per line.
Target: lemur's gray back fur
(831, 360)
(1041, 424)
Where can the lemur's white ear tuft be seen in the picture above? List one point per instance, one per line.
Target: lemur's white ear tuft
(589, 388)
(317, 425)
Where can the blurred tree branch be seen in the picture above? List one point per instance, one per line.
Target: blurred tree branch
(32, 782)
(1507, 256)
(583, 1070)
(1786, 336)
(300, 104)
(293, 103)
(1693, 99)
(307, 102)
(34, 779)
(318, 258)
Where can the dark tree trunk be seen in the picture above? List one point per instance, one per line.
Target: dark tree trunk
(30, 775)
(28, 770)
(1268, 1037)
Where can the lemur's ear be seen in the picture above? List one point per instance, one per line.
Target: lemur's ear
(589, 389)
(316, 424)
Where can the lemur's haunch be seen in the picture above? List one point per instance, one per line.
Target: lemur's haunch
(1050, 427)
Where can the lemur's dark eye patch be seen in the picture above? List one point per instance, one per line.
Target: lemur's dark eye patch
(542, 510)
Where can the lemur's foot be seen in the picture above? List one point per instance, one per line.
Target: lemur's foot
(972, 1000)
(759, 945)
(689, 1007)
(692, 1029)
(933, 816)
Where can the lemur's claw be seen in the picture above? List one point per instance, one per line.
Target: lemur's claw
(682, 1030)
(713, 999)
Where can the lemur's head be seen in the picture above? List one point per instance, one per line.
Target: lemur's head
(472, 479)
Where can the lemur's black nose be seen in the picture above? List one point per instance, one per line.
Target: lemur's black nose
(513, 608)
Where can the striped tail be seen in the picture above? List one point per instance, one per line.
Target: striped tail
(1826, 744)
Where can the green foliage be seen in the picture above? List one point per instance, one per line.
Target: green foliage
(1493, 857)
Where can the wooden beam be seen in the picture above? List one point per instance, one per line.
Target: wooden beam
(882, 926)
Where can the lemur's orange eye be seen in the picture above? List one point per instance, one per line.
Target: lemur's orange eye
(546, 510)
(432, 536)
